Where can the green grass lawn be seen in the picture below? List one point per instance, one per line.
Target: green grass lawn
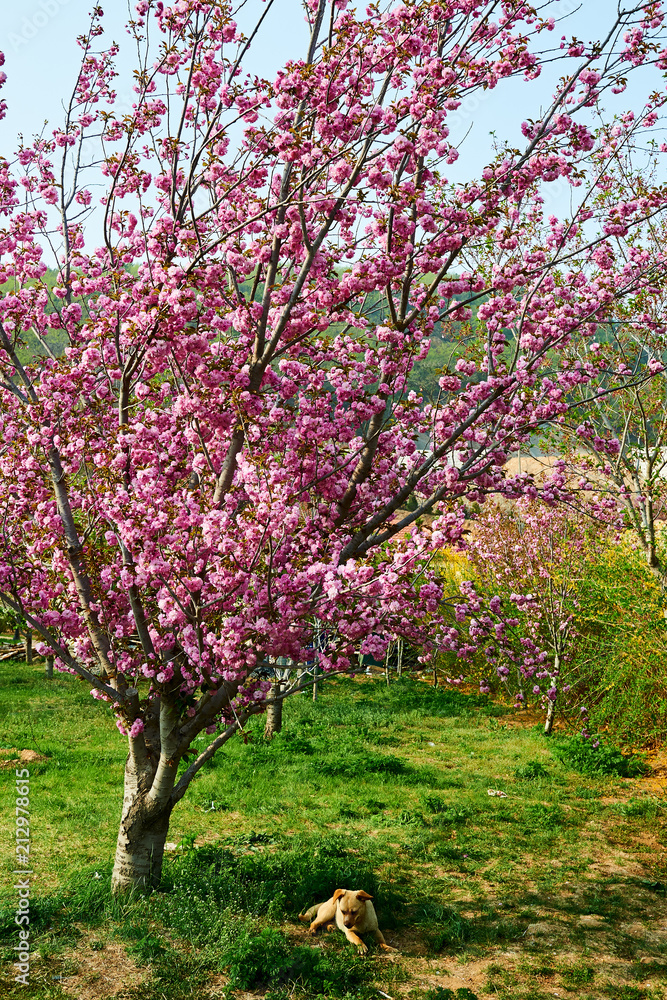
(556, 889)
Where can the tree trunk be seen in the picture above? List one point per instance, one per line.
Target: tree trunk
(141, 837)
(274, 711)
(551, 706)
(48, 669)
(27, 645)
(317, 648)
(551, 715)
(399, 665)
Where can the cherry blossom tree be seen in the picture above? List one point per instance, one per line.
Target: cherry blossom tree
(206, 332)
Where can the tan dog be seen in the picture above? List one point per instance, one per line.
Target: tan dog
(352, 911)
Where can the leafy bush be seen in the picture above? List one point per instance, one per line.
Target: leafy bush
(593, 756)
(407, 818)
(444, 814)
(256, 958)
(647, 808)
(329, 972)
(621, 664)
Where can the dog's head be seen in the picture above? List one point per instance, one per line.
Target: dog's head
(352, 904)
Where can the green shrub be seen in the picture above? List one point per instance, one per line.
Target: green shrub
(147, 949)
(331, 973)
(647, 808)
(256, 959)
(593, 756)
(443, 813)
(621, 660)
(407, 818)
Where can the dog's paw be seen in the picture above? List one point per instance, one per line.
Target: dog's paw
(362, 948)
(312, 930)
(387, 947)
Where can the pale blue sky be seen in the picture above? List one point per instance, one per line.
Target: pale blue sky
(39, 41)
(41, 53)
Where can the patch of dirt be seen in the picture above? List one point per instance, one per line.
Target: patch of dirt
(14, 756)
(448, 973)
(655, 781)
(217, 985)
(623, 866)
(655, 935)
(101, 973)
(524, 718)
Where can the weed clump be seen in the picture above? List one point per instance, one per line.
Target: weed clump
(444, 814)
(252, 959)
(531, 771)
(350, 764)
(541, 817)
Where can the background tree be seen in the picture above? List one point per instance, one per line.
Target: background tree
(618, 441)
(218, 455)
(531, 564)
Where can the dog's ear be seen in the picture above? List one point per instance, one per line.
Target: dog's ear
(338, 893)
(363, 895)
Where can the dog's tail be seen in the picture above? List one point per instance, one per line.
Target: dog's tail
(310, 914)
